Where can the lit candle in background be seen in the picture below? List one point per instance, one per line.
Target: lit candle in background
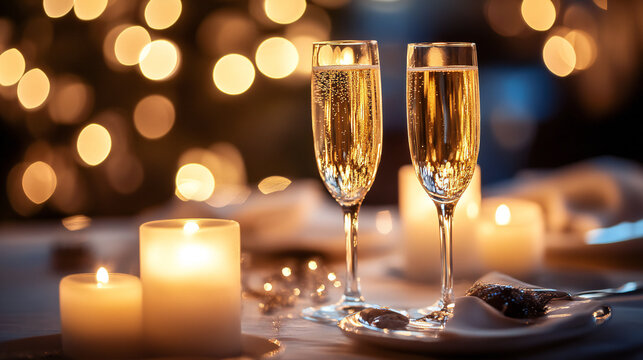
(190, 271)
(100, 315)
(511, 236)
(421, 233)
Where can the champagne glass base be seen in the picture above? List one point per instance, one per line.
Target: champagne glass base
(331, 314)
(431, 317)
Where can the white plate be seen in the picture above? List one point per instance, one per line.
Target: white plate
(49, 347)
(479, 328)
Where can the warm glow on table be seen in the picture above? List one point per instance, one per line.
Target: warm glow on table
(420, 229)
(100, 315)
(511, 236)
(190, 270)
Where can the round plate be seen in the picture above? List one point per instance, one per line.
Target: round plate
(49, 347)
(479, 328)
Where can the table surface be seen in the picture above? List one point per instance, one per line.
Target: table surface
(29, 297)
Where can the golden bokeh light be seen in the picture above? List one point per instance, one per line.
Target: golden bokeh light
(284, 11)
(89, 9)
(503, 215)
(154, 116)
(233, 74)
(227, 31)
(94, 144)
(39, 182)
(159, 60)
(12, 66)
(108, 47)
(314, 23)
(16, 196)
(161, 14)
(130, 43)
(33, 88)
(584, 48)
(194, 182)
(76, 222)
(273, 184)
(71, 100)
(538, 14)
(504, 17)
(57, 8)
(276, 57)
(559, 56)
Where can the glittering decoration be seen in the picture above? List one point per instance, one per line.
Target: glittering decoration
(305, 278)
(515, 302)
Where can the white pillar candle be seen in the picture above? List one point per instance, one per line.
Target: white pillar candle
(191, 276)
(100, 315)
(511, 236)
(421, 231)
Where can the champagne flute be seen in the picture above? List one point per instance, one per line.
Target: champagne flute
(443, 115)
(347, 131)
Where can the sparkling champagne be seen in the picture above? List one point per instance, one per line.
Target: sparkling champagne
(443, 117)
(347, 128)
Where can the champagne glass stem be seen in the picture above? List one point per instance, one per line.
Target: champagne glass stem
(445, 216)
(352, 292)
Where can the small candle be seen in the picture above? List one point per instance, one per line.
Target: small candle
(511, 236)
(191, 276)
(421, 231)
(100, 315)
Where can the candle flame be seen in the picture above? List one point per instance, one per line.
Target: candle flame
(503, 215)
(190, 228)
(102, 276)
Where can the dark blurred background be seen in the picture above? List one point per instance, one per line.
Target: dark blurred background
(560, 82)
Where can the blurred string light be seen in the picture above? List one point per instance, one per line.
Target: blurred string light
(233, 74)
(161, 14)
(33, 88)
(284, 11)
(540, 15)
(154, 116)
(504, 17)
(273, 184)
(314, 23)
(71, 100)
(89, 9)
(601, 4)
(12, 66)
(39, 182)
(584, 48)
(304, 45)
(159, 60)
(109, 45)
(225, 163)
(227, 31)
(130, 43)
(559, 56)
(16, 195)
(276, 57)
(94, 144)
(194, 182)
(57, 8)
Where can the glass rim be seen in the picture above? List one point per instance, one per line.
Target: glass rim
(443, 44)
(346, 42)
